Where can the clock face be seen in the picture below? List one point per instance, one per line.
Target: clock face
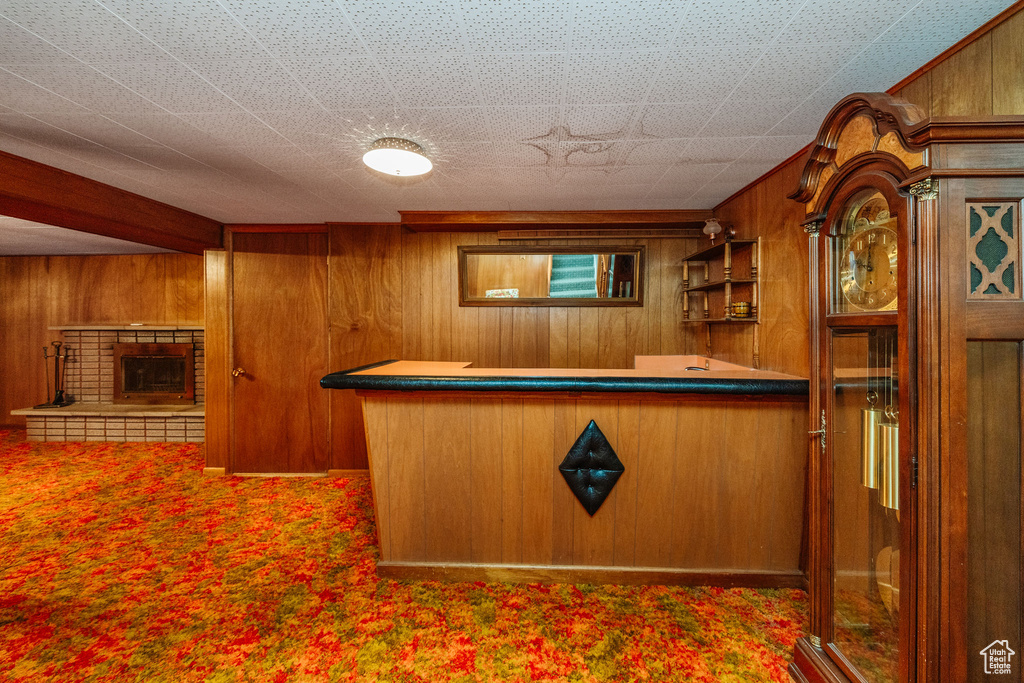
(865, 257)
(868, 273)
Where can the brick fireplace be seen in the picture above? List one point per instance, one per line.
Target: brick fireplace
(89, 380)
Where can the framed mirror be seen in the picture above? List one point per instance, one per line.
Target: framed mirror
(585, 275)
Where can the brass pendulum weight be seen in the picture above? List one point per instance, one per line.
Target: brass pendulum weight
(870, 418)
(889, 449)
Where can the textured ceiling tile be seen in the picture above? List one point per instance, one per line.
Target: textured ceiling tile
(636, 176)
(946, 22)
(450, 124)
(691, 175)
(878, 68)
(516, 26)
(24, 96)
(169, 84)
(703, 73)
(432, 80)
(656, 152)
(740, 117)
(391, 27)
(777, 147)
(85, 86)
(342, 81)
(714, 193)
(191, 30)
(826, 21)
(95, 128)
(469, 154)
(166, 129)
(715, 150)
(784, 71)
(735, 22)
(625, 24)
(256, 83)
(682, 120)
(805, 119)
(521, 123)
(741, 173)
(235, 128)
(523, 154)
(19, 46)
(607, 122)
(305, 29)
(610, 77)
(83, 28)
(520, 79)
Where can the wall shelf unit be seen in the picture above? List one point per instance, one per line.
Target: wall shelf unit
(719, 279)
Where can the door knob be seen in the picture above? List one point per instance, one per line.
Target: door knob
(237, 372)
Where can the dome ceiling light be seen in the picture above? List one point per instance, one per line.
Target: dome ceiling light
(397, 156)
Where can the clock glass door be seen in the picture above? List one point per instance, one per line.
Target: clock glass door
(864, 438)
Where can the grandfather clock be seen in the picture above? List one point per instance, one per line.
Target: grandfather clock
(917, 324)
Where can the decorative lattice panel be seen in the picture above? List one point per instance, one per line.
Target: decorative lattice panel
(994, 250)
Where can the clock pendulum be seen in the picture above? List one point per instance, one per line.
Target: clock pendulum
(889, 444)
(870, 419)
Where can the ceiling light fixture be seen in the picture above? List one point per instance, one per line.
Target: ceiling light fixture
(397, 156)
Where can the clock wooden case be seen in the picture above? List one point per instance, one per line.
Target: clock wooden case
(917, 345)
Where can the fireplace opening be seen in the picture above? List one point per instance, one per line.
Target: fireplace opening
(154, 374)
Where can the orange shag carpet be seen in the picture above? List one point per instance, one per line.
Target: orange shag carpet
(121, 562)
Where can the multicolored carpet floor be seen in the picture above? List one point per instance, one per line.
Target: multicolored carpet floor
(121, 562)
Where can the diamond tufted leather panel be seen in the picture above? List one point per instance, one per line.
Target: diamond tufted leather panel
(591, 468)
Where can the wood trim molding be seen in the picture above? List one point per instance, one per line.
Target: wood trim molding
(299, 228)
(624, 233)
(37, 192)
(634, 576)
(493, 221)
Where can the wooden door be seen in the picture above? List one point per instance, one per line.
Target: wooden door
(280, 339)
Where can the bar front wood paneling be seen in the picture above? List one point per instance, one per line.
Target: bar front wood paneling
(472, 485)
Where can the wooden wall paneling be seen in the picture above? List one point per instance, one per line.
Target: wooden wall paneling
(465, 319)
(788, 489)
(660, 452)
(653, 296)
(512, 481)
(412, 298)
(962, 83)
(405, 475)
(558, 337)
(919, 92)
(676, 338)
(377, 440)
(217, 342)
(538, 481)
(741, 475)
(590, 337)
(486, 465)
(365, 323)
(564, 503)
(23, 335)
(444, 295)
(702, 453)
(1007, 66)
(185, 295)
(625, 500)
(280, 312)
(447, 480)
(594, 536)
(489, 325)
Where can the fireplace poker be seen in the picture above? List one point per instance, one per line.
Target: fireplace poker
(58, 376)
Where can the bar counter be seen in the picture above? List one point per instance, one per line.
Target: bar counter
(465, 469)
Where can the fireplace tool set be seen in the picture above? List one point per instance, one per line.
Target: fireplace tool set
(60, 361)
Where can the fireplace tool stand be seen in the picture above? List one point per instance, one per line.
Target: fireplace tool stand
(60, 362)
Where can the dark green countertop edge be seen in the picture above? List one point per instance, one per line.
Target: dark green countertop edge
(660, 385)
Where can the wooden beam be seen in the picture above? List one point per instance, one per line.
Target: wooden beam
(37, 192)
(492, 221)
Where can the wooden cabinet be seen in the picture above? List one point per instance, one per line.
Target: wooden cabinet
(720, 283)
(917, 349)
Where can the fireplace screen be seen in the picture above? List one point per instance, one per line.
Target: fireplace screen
(154, 373)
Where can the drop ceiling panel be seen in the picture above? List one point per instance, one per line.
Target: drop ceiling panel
(260, 110)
